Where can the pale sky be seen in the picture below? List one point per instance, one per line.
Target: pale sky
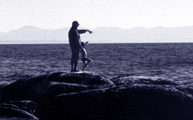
(55, 14)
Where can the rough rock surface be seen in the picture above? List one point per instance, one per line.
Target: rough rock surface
(88, 96)
(11, 112)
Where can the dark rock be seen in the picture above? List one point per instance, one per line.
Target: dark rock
(9, 105)
(130, 80)
(42, 89)
(26, 105)
(11, 111)
(46, 86)
(84, 79)
(122, 103)
(87, 96)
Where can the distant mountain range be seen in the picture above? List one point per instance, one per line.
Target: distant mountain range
(30, 34)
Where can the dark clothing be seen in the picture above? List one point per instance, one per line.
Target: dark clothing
(74, 38)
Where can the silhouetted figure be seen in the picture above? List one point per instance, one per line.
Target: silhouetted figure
(84, 55)
(75, 43)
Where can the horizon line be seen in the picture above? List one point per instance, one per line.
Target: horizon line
(94, 28)
(100, 43)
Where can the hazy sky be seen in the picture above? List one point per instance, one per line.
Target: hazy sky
(54, 14)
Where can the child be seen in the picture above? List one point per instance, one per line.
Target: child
(84, 55)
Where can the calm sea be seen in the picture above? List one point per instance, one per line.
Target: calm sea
(167, 60)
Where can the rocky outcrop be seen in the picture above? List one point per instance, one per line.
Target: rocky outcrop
(88, 96)
(12, 112)
(43, 87)
(124, 103)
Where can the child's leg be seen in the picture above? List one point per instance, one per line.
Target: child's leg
(83, 60)
(89, 60)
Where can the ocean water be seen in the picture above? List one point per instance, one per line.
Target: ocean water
(172, 61)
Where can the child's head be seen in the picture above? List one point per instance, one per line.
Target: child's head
(82, 44)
